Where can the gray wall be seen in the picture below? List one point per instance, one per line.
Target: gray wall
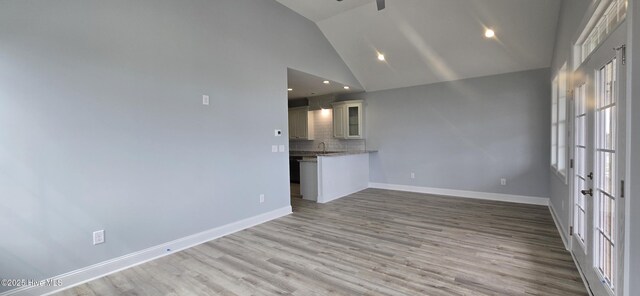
(102, 126)
(464, 135)
(632, 244)
(572, 14)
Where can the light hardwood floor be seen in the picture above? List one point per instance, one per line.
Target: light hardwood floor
(374, 242)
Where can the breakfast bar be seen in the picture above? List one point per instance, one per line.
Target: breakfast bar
(329, 176)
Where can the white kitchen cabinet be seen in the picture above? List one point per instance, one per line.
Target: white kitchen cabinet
(300, 123)
(347, 120)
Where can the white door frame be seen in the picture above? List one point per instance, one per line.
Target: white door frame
(586, 73)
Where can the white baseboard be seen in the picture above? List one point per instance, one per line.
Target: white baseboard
(92, 272)
(563, 232)
(534, 200)
(582, 276)
(565, 241)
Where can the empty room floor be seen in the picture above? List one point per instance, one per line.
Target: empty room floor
(374, 242)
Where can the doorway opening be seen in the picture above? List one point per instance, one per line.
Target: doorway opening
(311, 128)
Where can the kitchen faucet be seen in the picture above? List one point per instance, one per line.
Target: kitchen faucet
(324, 147)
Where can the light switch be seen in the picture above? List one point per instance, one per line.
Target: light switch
(205, 100)
(274, 148)
(281, 148)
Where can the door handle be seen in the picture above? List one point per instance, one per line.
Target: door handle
(587, 192)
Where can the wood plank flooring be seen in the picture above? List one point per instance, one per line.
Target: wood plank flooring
(375, 242)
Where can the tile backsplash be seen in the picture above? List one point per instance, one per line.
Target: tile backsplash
(323, 124)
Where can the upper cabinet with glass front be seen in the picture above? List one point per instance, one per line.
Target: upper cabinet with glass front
(347, 120)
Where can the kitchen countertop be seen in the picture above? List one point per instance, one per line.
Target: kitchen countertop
(314, 154)
(309, 159)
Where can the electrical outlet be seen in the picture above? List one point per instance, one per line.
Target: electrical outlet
(503, 181)
(205, 100)
(261, 198)
(98, 237)
(413, 175)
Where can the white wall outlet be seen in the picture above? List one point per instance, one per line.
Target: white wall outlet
(205, 100)
(281, 148)
(98, 237)
(503, 181)
(274, 148)
(278, 133)
(261, 198)
(413, 175)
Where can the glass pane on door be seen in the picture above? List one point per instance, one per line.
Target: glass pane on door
(580, 183)
(605, 174)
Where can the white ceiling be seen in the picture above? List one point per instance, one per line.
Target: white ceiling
(306, 85)
(317, 10)
(428, 41)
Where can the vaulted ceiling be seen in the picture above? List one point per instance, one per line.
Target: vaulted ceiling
(428, 41)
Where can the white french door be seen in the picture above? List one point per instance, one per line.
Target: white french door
(582, 176)
(598, 208)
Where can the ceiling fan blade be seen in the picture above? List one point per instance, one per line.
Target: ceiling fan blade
(380, 4)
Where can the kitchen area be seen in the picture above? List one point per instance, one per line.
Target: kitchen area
(328, 157)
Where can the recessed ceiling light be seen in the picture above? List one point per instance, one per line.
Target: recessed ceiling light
(489, 33)
(289, 89)
(326, 82)
(380, 57)
(346, 87)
